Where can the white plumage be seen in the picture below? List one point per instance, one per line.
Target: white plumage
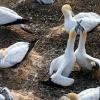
(46, 1)
(16, 53)
(82, 58)
(90, 20)
(88, 94)
(2, 97)
(9, 17)
(65, 63)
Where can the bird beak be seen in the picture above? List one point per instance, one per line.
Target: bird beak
(79, 28)
(72, 13)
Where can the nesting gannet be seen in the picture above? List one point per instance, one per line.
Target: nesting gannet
(82, 58)
(9, 17)
(88, 94)
(90, 20)
(5, 94)
(65, 63)
(15, 54)
(46, 1)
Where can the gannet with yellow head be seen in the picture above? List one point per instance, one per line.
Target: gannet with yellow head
(82, 58)
(15, 54)
(88, 94)
(90, 20)
(65, 63)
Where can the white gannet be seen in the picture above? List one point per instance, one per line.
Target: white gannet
(46, 1)
(5, 94)
(88, 94)
(15, 54)
(9, 17)
(65, 63)
(90, 20)
(82, 58)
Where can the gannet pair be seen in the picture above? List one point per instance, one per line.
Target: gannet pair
(9, 17)
(5, 94)
(90, 20)
(15, 54)
(82, 58)
(88, 94)
(46, 1)
(65, 63)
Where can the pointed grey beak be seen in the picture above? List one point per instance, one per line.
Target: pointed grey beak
(72, 13)
(79, 27)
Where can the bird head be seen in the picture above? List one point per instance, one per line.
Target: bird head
(2, 54)
(78, 29)
(72, 96)
(67, 10)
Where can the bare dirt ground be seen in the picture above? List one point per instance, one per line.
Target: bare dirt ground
(51, 45)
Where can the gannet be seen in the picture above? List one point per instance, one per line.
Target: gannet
(82, 58)
(90, 20)
(46, 1)
(65, 63)
(15, 54)
(5, 94)
(10, 17)
(88, 94)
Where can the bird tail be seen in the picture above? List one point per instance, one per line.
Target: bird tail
(31, 45)
(18, 21)
(26, 30)
(21, 21)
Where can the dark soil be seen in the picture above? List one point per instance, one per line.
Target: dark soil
(51, 45)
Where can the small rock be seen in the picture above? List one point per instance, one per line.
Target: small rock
(64, 98)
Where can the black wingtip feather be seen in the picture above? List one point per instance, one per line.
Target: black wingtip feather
(27, 30)
(18, 21)
(31, 45)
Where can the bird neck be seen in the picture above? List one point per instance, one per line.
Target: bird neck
(69, 50)
(82, 40)
(70, 43)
